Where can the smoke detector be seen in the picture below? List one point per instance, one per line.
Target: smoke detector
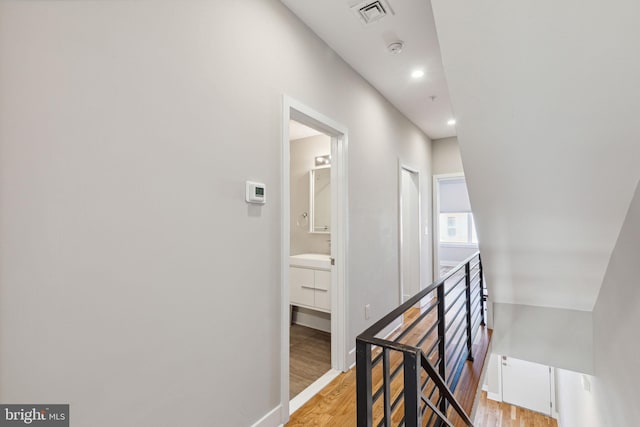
(372, 11)
(396, 47)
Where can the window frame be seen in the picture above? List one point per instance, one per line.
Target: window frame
(471, 232)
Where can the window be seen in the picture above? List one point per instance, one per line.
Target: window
(451, 227)
(458, 227)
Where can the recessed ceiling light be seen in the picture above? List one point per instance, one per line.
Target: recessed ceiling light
(416, 74)
(451, 122)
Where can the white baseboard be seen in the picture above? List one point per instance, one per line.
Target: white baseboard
(271, 419)
(351, 358)
(494, 396)
(485, 388)
(306, 394)
(449, 263)
(312, 319)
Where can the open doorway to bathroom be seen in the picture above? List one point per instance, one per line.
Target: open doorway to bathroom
(314, 252)
(310, 256)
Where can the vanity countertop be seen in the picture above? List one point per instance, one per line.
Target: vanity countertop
(319, 261)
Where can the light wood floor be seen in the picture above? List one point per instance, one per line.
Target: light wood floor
(335, 405)
(498, 414)
(310, 353)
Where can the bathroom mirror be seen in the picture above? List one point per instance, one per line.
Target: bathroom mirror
(320, 197)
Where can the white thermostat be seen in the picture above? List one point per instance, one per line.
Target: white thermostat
(256, 192)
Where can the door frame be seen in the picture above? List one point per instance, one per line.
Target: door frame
(293, 109)
(436, 218)
(404, 167)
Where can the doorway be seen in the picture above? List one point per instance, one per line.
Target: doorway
(310, 254)
(313, 249)
(409, 232)
(455, 237)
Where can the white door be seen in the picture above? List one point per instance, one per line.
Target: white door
(410, 233)
(526, 384)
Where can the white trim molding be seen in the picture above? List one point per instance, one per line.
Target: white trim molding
(292, 109)
(351, 358)
(416, 172)
(435, 235)
(271, 419)
(305, 395)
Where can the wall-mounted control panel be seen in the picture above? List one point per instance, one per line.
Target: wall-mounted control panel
(256, 192)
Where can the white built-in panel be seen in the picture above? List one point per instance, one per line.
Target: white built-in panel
(310, 288)
(301, 288)
(322, 289)
(526, 384)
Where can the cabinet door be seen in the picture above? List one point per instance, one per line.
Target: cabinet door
(323, 289)
(301, 287)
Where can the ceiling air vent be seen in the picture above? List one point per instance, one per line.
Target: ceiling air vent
(372, 11)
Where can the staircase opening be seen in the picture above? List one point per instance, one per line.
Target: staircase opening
(410, 377)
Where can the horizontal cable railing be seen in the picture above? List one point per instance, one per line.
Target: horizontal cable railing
(410, 361)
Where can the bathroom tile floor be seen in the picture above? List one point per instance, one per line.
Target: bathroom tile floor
(310, 357)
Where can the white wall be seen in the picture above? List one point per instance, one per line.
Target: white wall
(612, 396)
(446, 157)
(553, 337)
(492, 379)
(135, 282)
(539, 151)
(453, 255)
(576, 406)
(616, 318)
(303, 154)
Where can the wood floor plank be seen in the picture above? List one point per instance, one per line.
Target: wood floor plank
(310, 357)
(491, 414)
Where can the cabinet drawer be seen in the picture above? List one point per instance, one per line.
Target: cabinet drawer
(301, 286)
(323, 289)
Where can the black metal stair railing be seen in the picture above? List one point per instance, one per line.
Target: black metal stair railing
(428, 345)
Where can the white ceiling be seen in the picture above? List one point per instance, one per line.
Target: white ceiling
(546, 98)
(547, 101)
(298, 131)
(365, 49)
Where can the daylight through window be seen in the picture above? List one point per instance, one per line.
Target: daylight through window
(458, 227)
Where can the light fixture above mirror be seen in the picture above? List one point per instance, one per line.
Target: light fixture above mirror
(323, 160)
